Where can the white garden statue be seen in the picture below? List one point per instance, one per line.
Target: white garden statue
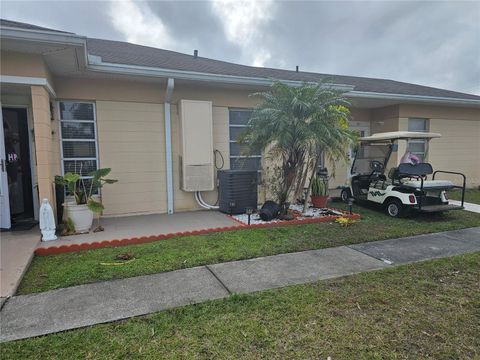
(47, 221)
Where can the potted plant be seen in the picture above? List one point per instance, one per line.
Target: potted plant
(319, 194)
(85, 205)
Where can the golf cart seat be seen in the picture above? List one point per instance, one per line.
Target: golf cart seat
(409, 175)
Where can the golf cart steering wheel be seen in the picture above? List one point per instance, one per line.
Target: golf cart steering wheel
(376, 166)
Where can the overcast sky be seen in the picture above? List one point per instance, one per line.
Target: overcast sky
(429, 43)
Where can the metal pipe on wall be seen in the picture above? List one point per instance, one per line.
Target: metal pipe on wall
(168, 144)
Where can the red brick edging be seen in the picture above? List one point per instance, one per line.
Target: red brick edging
(52, 250)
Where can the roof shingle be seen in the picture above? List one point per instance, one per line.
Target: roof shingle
(21, 25)
(119, 52)
(130, 54)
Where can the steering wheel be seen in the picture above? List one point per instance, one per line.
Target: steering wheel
(376, 166)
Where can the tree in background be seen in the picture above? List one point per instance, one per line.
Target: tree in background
(293, 127)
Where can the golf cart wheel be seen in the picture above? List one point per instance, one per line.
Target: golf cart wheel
(395, 208)
(345, 195)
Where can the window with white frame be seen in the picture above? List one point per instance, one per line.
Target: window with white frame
(237, 123)
(418, 147)
(78, 138)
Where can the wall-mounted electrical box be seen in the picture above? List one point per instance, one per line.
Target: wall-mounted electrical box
(196, 137)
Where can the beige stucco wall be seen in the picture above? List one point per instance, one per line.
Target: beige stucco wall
(183, 200)
(131, 141)
(459, 147)
(131, 138)
(386, 119)
(360, 118)
(226, 97)
(22, 64)
(109, 90)
(44, 143)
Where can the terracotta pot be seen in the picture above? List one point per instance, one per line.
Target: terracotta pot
(319, 201)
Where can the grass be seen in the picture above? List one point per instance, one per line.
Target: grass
(471, 195)
(425, 310)
(69, 269)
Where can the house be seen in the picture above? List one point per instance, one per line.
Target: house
(68, 100)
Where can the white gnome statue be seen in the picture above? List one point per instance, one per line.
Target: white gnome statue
(47, 221)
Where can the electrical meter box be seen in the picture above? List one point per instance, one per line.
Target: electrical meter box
(196, 153)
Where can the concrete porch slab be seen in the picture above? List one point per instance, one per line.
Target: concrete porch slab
(423, 247)
(79, 306)
(125, 227)
(16, 252)
(295, 268)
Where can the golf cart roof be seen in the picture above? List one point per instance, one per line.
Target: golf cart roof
(399, 135)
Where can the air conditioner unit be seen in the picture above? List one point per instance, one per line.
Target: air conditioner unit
(196, 137)
(237, 190)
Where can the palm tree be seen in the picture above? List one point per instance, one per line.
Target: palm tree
(293, 126)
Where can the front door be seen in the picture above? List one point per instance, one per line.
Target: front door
(17, 160)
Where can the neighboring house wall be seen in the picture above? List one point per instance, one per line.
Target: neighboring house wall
(459, 147)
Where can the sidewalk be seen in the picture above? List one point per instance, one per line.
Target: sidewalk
(58, 310)
(468, 206)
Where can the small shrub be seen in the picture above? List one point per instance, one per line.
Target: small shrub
(344, 221)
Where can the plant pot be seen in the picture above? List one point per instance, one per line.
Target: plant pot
(81, 216)
(319, 201)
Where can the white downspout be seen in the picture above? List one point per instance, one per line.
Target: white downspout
(168, 144)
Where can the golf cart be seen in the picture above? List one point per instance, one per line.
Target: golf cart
(406, 188)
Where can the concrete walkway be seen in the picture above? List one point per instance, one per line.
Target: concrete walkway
(468, 206)
(16, 252)
(58, 310)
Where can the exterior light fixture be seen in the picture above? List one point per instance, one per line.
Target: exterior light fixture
(350, 205)
(249, 212)
(231, 205)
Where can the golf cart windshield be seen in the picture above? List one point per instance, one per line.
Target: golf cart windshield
(369, 156)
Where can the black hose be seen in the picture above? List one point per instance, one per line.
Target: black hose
(215, 151)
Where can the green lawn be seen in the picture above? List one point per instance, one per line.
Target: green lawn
(471, 195)
(57, 271)
(425, 310)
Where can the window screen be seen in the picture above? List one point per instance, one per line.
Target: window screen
(78, 137)
(238, 121)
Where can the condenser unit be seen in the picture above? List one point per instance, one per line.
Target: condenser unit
(237, 190)
(196, 137)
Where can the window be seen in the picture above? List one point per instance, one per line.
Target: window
(418, 147)
(78, 138)
(238, 122)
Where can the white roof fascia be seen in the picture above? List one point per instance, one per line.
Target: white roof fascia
(27, 80)
(412, 98)
(193, 75)
(43, 36)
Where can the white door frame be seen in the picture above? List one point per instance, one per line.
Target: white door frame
(5, 221)
(31, 149)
